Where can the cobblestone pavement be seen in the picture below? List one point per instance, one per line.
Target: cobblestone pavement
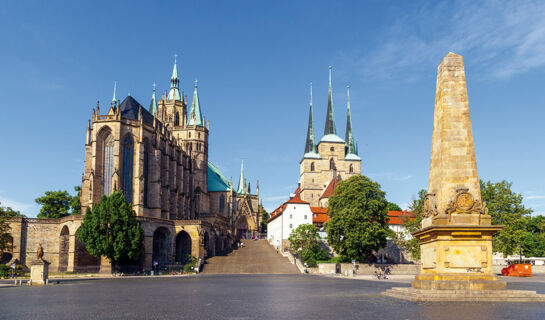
(245, 297)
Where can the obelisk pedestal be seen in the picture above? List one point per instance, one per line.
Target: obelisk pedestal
(456, 233)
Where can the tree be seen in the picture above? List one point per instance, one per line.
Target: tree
(393, 207)
(5, 237)
(55, 204)
(359, 223)
(412, 244)
(110, 229)
(533, 240)
(75, 204)
(264, 217)
(305, 240)
(506, 208)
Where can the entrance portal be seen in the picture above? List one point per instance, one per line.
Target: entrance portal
(183, 247)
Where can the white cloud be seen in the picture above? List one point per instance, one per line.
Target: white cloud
(536, 197)
(500, 38)
(19, 206)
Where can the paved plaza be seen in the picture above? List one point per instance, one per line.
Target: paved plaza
(245, 297)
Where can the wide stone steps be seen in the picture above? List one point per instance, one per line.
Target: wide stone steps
(413, 294)
(257, 257)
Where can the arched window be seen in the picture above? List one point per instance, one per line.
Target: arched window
(331, 164)
(351, 168)
(312, 167)
(222, 203)
(177, 119)
(128, 148)
(108, 164)
(146, 172)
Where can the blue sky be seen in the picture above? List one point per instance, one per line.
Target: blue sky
(254, 61)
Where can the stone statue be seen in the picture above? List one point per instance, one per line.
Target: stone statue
(40, 252)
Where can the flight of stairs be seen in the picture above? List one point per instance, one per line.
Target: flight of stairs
(257, 256)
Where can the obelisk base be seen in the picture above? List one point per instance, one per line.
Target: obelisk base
(39, 272)
(421, 295)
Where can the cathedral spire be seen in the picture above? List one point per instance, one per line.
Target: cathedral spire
(113, 105)
(195, 116)
(242, 180)
(330, 120)
(174, 92)
(349, 138)
(153, 104)
(310, 146)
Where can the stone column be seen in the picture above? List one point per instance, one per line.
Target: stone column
(71, 252)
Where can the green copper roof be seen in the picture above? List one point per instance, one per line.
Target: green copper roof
(153, 104)
(195, 116)
(216, 180)
(174, 92)
(330, 119)
(310, 146)
(349, 138)
(241, 180)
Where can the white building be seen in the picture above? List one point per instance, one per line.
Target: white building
(287, 218)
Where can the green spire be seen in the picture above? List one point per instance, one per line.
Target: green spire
(310, 146)
(114, 99)
(349, 138)
(174, 92)
(153, 104)
(330, 120)
(241, 180)
(195, 116)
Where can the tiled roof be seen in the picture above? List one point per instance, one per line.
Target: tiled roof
(399, 217)
(319, 215)
(296, 199)
(328, 192)
(130, 108)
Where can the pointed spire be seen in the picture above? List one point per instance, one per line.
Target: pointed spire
(242, 180)
(349, 138)
(153, 104)
(174, 92)
(195, 116)
(114, 99)
(310, 146)
(330, 120)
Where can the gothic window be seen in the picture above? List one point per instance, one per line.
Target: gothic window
(128, 148)
(351, 168)
(189, 135)
(312, 167)
(199, 135)
(222, 203)
(331, 164)
(146, 173)
(108, 164)
(177, 119)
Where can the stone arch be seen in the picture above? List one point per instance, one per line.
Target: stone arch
(104, 156)
(183, 247)
(241, 226)
(7, 254)
(161, 245)
(83, 260)
(219, 244)
(127, 167)
(64, 246)
(146, 172)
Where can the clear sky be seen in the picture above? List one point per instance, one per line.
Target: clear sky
(254, 61)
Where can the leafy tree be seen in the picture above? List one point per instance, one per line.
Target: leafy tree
(506, 208)
(8, 212)
(110, 229)
(393, 207)
(5, 237)
(75, 204)
(412, 244)
(306, 241)
(533, 241)
(359, 223)
(265, 216)
(55, 204)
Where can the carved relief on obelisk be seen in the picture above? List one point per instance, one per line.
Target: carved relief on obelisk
(454, 195)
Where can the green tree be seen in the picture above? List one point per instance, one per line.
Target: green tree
(110, 229)
(75, 204)
(506, 208)
(411, 244)
(264, 217)
(533, 241)
(8, 212)
(305, 241)
(55, 204)
(359, 223)
(393, 207)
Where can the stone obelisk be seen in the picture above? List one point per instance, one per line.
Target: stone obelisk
(456, 232)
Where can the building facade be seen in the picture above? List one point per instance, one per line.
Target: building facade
(158, 157)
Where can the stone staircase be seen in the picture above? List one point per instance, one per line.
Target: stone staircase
(257, 257)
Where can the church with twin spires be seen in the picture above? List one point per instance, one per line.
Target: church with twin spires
(330, 160)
